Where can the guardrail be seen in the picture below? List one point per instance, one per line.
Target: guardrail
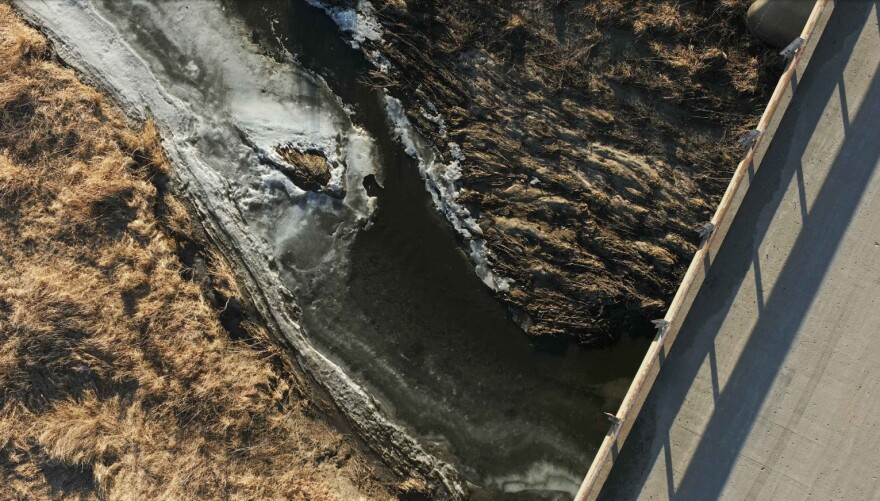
(715, 230)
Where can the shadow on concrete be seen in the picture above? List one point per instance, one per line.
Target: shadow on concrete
(781, 315)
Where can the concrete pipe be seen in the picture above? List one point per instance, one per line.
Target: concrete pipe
(778, 22)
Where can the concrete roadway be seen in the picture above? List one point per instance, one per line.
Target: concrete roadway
(772, 389)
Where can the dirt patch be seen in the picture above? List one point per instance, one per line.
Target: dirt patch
(118, 377)
(599, 136)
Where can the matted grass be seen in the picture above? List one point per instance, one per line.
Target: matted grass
(599, 135)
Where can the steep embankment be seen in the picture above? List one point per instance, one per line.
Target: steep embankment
(126, 372)
(597, 137)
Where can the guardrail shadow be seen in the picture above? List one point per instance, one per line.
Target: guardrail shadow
(738, 404)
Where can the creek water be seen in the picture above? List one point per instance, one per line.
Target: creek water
(382, 284)
(442, 352)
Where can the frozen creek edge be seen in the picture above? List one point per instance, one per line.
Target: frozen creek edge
(441, 179)
(207, 193)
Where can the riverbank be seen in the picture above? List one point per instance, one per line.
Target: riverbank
(131, 362)
(593, 138)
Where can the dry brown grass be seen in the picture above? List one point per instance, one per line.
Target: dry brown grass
(625, 113)
(310, 170)
(117, 380)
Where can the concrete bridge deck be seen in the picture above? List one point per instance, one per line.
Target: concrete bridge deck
(772, 388)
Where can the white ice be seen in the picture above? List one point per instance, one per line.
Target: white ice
(360, 22)
(441, 179)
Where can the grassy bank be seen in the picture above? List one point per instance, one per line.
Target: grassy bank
(129, 367)
(599, 137)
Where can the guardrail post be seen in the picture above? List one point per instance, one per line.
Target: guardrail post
(706, 230)
(789, 51)
(749, 139)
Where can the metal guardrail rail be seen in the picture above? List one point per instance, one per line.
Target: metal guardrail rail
(714, 232)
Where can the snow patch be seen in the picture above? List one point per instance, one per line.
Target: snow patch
(455, 151)
(437, 120)
(380, 61)
(360, 22)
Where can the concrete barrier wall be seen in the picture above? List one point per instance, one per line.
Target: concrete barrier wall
(669, 326)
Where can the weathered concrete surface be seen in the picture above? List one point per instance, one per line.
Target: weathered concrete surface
(778, 22)
(772, 390)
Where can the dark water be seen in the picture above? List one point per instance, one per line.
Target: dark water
(414, 323)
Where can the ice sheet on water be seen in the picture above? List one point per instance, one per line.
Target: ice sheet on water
(244, 100)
